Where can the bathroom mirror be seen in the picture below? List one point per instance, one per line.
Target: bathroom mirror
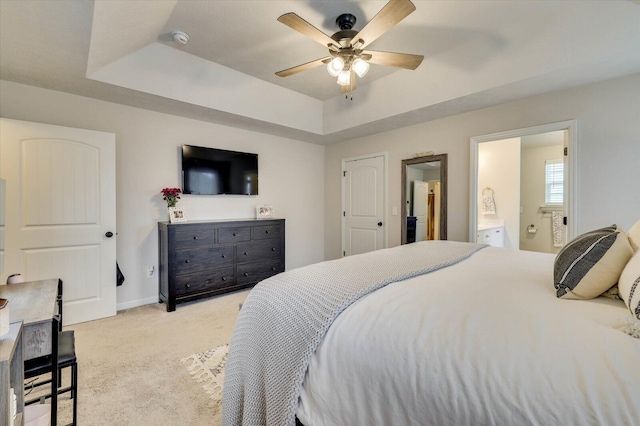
(424, 198)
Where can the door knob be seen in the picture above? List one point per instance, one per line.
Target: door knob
(109, 234)
(379, 223)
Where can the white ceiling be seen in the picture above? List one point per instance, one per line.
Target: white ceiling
(477, 54)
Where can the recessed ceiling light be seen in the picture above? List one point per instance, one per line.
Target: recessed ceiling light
(180, 37)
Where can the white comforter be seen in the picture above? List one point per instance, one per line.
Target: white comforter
(482, 342)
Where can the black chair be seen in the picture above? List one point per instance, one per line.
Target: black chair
(63, 350)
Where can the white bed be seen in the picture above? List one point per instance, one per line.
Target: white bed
(484, 341)
(481, 342)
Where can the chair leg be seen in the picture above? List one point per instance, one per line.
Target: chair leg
(74, 380)
(74, 391)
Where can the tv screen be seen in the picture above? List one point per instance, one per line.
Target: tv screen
(209, 171)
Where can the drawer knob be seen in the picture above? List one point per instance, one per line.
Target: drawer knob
(186, 261)
(273, 249)
(267, 231)
(224, 278)
(245, 253)
(246, 274)
(235, 234)
(273, 269)
(188, 285)
(195, 237)
(224, 256)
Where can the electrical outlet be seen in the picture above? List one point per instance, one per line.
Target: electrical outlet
(151, 271)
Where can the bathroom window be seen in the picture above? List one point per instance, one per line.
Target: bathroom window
(554, 182)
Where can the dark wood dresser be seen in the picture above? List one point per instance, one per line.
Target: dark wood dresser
(204, 258)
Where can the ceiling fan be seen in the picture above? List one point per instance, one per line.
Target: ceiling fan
(346, 47)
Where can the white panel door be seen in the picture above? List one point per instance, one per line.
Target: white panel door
(60, 211)
(420, 192)
(364, 205)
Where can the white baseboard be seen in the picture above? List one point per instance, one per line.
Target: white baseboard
(136, 303)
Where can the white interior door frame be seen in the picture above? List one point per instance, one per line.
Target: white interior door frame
(571, 126)
(385, 156)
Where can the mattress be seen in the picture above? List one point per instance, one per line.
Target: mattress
(481, 342)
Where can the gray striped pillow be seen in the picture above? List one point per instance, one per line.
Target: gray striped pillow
(591, 263)
(629, 285)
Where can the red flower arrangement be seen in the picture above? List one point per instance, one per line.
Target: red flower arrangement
(171, 196)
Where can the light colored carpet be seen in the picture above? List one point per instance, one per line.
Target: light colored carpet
(129, 365)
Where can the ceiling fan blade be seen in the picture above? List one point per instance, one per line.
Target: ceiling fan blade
(297, 23)
(351, 87)
(392, 59)
(303, 67)
(392, 13)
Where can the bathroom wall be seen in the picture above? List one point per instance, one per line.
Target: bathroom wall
(532, 188)
(499, 169)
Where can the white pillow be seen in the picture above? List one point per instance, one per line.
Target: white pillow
(634, 236)
(629, 285)
(591, 263)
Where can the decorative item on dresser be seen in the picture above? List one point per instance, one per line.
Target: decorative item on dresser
(205, 258)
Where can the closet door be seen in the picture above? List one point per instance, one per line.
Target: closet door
(60, 219)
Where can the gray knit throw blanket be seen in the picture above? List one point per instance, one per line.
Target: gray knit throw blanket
(285, 317)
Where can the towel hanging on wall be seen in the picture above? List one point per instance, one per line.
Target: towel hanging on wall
(488, 202)
(557, 220)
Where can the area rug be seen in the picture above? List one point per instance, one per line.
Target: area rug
(207, 368)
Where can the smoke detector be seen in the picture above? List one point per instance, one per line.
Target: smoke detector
(180, 37)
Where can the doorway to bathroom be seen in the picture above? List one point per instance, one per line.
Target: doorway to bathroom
(522, 189)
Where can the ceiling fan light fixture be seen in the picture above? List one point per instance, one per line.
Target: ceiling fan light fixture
(335, 66)
(360, 67)
(344, 78)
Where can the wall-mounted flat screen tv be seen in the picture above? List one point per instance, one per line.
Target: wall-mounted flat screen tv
(209, 171)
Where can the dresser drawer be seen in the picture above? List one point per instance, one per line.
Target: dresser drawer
(266, 232)
(188, 261)
(258, 250)
(204, 281)
(258, 271)
(231, 235)
(196, 237)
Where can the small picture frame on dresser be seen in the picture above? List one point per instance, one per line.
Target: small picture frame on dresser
(177, 214)
(264, 212)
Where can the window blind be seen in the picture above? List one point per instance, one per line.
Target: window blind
(554, 182)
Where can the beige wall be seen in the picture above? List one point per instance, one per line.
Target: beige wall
(608, 154)
(147, 159)
(499, 170)
(532, 197)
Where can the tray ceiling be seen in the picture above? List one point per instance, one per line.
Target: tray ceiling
(477, 54)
